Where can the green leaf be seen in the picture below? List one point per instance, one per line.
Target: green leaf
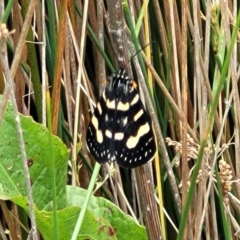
(36, 139)
(102, 221)
(92, 227)
(122, 225)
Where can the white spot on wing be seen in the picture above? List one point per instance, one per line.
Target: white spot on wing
(112, 104)
(133, 140)
(118, 136)
(95, 122)
(138, 115)
(106, 118)
(99, 134)
(124, 121)
(108, 134)
(135, 100)
(90, 130)
(123, 106)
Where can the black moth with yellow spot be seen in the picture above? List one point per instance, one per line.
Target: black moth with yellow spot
(119, 129)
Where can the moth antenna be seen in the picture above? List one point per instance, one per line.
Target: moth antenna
(135, 54)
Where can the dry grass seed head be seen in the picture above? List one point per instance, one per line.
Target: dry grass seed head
(192, 151)
(225, 175)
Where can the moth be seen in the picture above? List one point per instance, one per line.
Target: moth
(120, 129)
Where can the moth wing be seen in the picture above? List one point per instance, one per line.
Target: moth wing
(137, 147)
(97, 142)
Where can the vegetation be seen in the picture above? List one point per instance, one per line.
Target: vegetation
(55, 57)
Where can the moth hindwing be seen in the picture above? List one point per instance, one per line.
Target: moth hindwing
(119, 129)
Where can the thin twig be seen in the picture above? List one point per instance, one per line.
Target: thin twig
(9, 85)
(80, 70)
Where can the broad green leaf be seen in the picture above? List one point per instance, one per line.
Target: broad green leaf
(36, 139)
(92, 228)
(122, 225)
(102, 221)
